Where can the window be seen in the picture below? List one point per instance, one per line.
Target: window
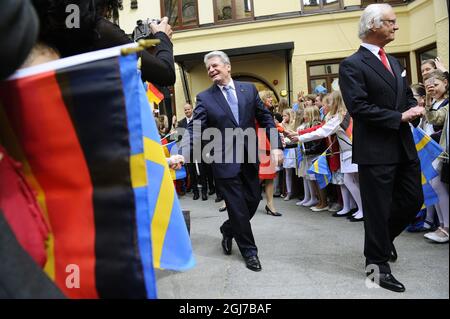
(319, 5)
(232, 10)
(365, 3)
(324, 73)
(182, 14)
(422, 54)
(403, 58)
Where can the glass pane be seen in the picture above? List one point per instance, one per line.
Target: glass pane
(332, 68)
(243, 9)
(430, 54)
(311, 5)
(315, 83)
(171, 11)
(224, 10)
(335, 84)
(317, 70)
(189, 12)
(331, 4)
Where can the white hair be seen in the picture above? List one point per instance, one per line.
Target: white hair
(222, 55)
(371, 17)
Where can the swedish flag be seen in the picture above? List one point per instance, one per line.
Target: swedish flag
(169, 236)
(321, 170)
(427, 150)
(429, 195)
(83, 129)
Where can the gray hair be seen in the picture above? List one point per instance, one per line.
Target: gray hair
(222, 55)
(371, 17)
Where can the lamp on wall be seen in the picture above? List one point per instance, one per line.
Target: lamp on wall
(134, 4)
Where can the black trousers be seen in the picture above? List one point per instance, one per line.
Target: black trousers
(207, 169)
(195, 178)
(242, 195)
(391, 197)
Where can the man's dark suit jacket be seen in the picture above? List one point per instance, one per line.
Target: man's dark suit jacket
(213, 111)
(183, 123)
(375, 100)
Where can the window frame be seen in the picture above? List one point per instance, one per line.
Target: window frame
(322, 9)
(418, 52)
(180, 14)
(233, 8)
(328, 77)
(365, 3)
(404, 55)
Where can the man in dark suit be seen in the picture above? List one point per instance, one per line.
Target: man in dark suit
(230, 107)
(377, 95)
(196, 175)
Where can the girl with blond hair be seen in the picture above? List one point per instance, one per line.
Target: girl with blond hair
(338, 121)
(311, 151)
(289, 153)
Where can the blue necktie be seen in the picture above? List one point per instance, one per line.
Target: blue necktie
(232, 102)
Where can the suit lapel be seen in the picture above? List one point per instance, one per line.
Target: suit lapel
(378, 67)
(240, 91)
(218, 96)
(398, 77)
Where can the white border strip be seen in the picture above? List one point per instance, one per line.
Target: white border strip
(70, 61)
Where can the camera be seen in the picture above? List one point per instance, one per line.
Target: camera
(142, 29)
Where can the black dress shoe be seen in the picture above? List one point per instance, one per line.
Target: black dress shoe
(393, 257)
(253, 263)
(212, 191)
(218, 199)
(349, 213)
(196, 196)
(227, 243)
(387, 281)
(269, 212)
(222, 209)
(204, 196)
(353, 219)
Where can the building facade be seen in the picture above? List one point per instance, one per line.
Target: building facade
(291, 45)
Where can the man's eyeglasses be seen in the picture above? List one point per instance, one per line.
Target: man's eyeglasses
(391, 22)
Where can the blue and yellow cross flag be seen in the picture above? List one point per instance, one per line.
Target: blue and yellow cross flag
(321, 170)
(428, 151)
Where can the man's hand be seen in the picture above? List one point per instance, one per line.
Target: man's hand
(163, 26)
(277, 157)
(175, 161)
(413, 113)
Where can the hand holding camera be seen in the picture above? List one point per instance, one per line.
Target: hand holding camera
(162, 26)
(146, 29)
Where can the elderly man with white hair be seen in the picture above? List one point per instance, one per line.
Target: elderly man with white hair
(375, 90)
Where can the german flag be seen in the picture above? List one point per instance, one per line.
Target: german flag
(153, 94)
(77, 126)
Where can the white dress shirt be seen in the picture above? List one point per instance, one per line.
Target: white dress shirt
(233, 91)
(375, 50)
